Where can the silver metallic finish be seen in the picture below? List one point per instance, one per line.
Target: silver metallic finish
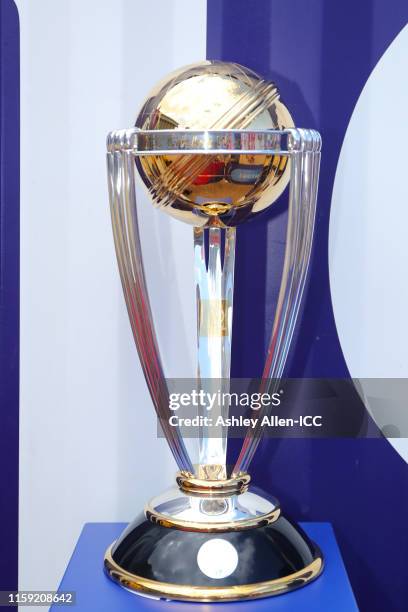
(207, 142)
(175, 508)
(304, 153)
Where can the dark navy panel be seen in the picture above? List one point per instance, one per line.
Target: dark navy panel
(320, 53)
(9, 291)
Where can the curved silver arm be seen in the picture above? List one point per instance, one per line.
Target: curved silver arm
(122, 195)
(305, 163)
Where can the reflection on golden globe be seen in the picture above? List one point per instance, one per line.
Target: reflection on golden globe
(217, 190)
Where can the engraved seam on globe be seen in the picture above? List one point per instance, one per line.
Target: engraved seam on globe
(184, 170)
(221, 190)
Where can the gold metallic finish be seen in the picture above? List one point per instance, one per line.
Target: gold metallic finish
(214, 190)
(213, 317)
(227, 486)
(165, 590)
(208, 471)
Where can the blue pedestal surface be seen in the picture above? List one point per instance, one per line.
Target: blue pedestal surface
(95, 592)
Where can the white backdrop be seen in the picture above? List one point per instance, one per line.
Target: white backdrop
(88, 449)
(368, 247)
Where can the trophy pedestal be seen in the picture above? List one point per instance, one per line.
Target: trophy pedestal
(94, 591)
(184, 548)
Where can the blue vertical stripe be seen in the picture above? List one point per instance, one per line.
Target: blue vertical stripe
(9, 291)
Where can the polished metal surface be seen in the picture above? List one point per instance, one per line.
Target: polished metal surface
(214, 280)
(208, 191)
(182, 592)
(214, 146)
(212, 480)
(205, 142)
(212, 513)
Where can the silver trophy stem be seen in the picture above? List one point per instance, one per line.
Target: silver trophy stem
(214, 281)
(214, 291)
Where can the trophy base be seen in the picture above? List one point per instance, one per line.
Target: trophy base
(213, 561)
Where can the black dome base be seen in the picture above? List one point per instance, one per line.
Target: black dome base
(163, 562)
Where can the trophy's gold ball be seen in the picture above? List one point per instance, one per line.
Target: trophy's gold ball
(214, 189)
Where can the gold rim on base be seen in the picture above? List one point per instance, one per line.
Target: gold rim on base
(181, 592)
